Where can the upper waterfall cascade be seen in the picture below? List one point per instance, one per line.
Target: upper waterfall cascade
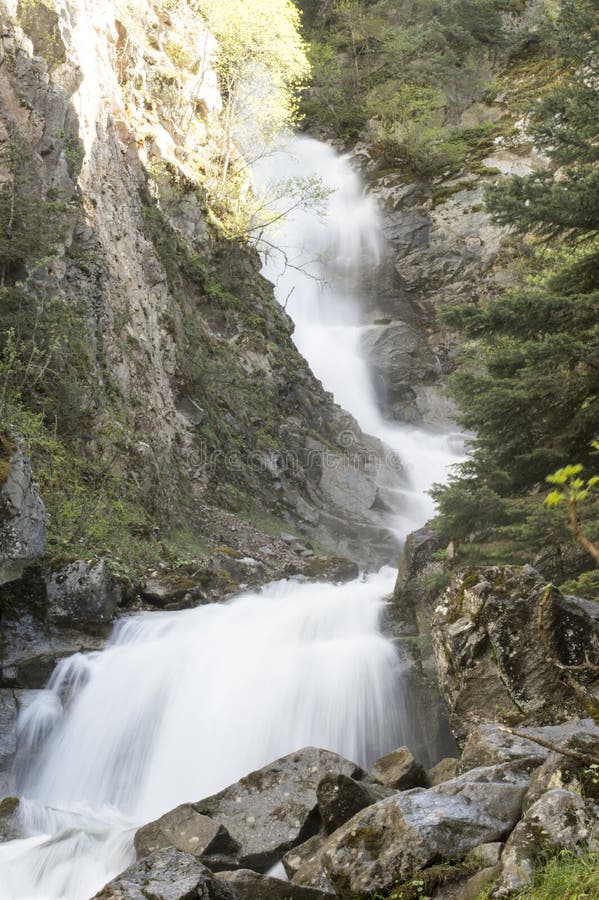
(316, 260)
(181, 704)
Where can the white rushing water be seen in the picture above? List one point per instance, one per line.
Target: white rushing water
(315, 262)
(182, 704)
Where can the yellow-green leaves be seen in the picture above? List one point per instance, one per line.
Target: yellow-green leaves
(261, 64)
(570, 485)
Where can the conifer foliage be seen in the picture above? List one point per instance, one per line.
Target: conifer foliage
(530, 391)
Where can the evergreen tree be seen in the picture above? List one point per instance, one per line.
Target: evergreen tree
(530, 391)
(564, 200)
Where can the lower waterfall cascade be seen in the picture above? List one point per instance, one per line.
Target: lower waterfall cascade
(121, 736)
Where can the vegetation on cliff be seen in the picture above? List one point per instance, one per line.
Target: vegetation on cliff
(74, 362)
(529, 385)
(400, 76)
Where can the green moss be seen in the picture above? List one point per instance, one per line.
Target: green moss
(228, 551)
(423, 883)
(40, 21)
(8, 806)
(7, 449)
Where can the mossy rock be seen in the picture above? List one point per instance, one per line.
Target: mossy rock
(423, 883)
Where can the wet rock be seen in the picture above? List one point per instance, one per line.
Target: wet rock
(22, 514)
(399, 770)
(390, 841)
(407, 619)
(559, 820)
(166, 875)
(331, 568)
(564, 772)
(446, 769)
(398, 358)
(295, 858)
(30, 646)
(181, 594)
(8, 735)
(312, 874)
(269, 811)
(490, 655)
(491, 744)
(188, 831)
(341, 797)
(249, 885)
(82, 594)
(10, 828)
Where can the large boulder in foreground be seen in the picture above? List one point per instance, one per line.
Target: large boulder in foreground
(490, 655)
(166, 875)
(261, 816)
(390, 841)
(22, 514)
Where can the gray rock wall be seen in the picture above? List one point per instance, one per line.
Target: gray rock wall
(22, 519)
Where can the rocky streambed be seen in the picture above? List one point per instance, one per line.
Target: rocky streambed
(340, 831)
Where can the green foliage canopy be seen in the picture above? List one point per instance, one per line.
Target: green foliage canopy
(564, 200)
(529, 385)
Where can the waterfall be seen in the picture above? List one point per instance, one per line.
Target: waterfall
(315, 259)
(181, 704)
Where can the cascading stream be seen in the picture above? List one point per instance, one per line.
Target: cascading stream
(316, 262)
(181, 704)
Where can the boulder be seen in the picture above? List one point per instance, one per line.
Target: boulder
(186, 830)
(491, 744)
(475, 885)
(397, 837)
(341, 797)
(269, 811)
(399, 770)
(82, 594)
(565, 772)
(446, 769)
(559, 820)
(10, 827)
(295, 858)
(486, 855)
(166, 874)
(249, 885)
(22, 514)
(490, 656)
(311, 873)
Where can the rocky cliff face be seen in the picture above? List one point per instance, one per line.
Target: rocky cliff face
(22, 514)
(441, 249)
(188, 385)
